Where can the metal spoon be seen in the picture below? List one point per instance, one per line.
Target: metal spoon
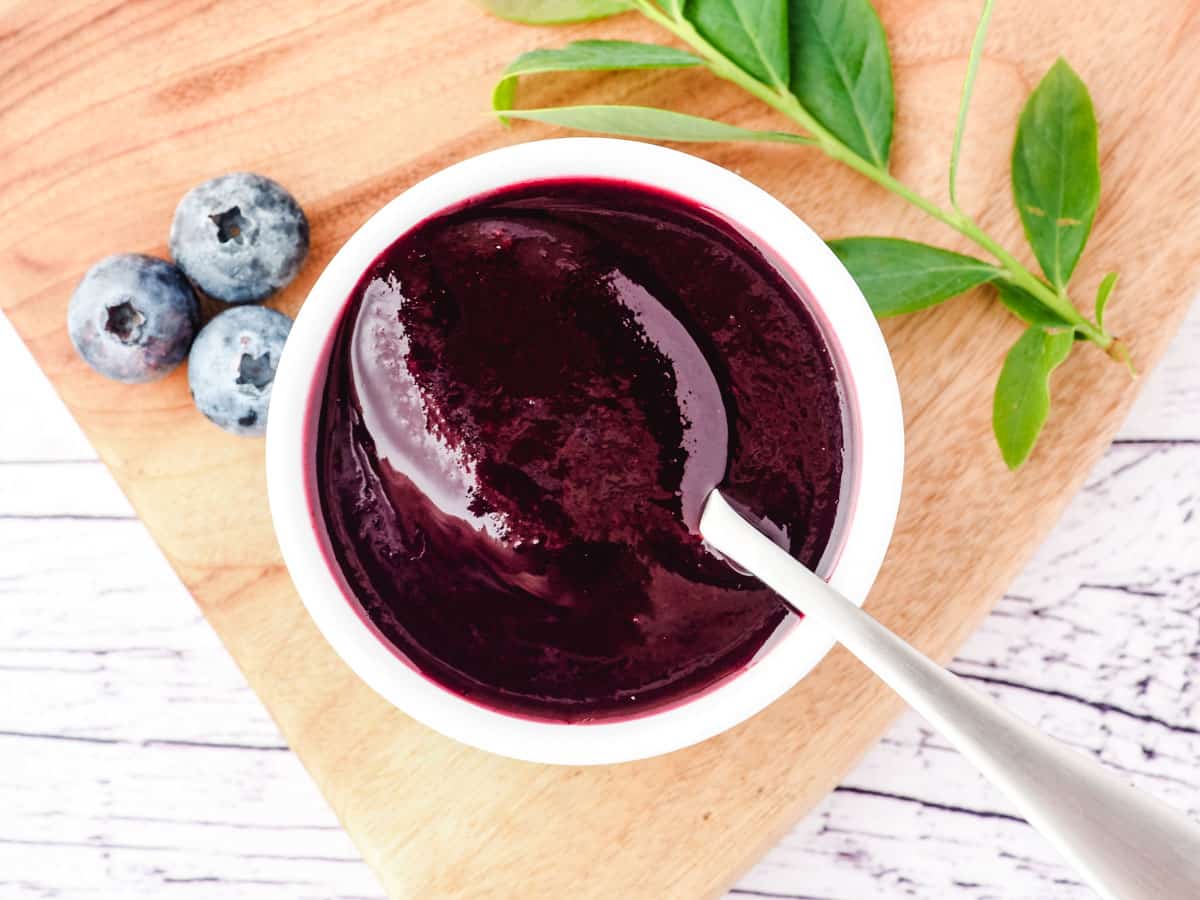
(1127, 845)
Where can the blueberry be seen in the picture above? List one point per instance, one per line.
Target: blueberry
(232, 366)
(133, 317)
(240, 237)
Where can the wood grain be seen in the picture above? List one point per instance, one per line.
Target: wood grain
(108, 112)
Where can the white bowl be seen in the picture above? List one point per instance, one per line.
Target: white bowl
(871, 484)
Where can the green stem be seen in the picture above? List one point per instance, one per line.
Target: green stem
(785, 102)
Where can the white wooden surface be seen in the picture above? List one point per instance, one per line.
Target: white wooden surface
(134, 761)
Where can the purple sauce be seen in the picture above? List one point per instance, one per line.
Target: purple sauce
(528, 398)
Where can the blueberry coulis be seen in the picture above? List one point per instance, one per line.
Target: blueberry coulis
(528, 398)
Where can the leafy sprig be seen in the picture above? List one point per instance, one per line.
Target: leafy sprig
(825, 65)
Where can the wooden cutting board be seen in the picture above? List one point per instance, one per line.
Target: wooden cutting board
(110, 110)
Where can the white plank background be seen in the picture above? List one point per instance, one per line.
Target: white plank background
(135, 762)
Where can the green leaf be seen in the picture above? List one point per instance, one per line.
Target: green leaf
(1102, 294)
(965, 101)
(842, 73)
(898, 276)
(554, 12)
(1028, 308)
(647, 122)
(1022, 400)
(752, 33)
(587, 56)
(1056, 171)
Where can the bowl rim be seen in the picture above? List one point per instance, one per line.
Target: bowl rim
(868, 383)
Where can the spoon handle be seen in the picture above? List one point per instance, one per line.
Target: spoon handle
(1126, 844)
